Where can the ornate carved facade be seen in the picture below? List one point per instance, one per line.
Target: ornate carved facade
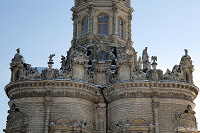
(102, 85)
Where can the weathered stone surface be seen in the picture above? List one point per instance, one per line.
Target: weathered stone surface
(102, 86)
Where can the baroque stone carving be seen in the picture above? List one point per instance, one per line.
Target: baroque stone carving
(68, 125)
(144, 126)
(186, 122)
(16, 120)
(102, 77)
(145, 59)
(117, 59)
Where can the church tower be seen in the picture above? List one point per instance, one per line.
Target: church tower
(102, 86)
(102, 38)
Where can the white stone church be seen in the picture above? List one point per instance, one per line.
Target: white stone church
(102, 85)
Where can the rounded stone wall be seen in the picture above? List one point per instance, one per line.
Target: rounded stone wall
(53, 104)
(158, 103)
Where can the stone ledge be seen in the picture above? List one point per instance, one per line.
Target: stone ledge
(50, 83)
(153, 84)
(77, 89)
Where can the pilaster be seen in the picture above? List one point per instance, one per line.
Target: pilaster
(102, 118)
(47, 104)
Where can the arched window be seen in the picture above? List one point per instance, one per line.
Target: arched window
(84, 28)
(120, 28)
(102, 55)
(102, 24)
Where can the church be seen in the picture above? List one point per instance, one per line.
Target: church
(102, 86)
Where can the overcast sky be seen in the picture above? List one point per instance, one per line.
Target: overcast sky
(43, 27)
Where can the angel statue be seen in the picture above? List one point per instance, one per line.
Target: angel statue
(154, 59)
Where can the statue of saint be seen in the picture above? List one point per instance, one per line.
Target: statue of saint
(145, 59)
(145, 54)
(186, 52)
(18, 51)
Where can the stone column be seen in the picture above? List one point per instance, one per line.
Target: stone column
(47, 104)
(114, 27)
(114, 30)
(75, 19)
(101, 109)
(91, 20)
(129, 25)
(155, 105)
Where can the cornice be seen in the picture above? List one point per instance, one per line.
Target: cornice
(51, 85)
(117, 91)
(140, 94)
(151, 89)
(155, 84)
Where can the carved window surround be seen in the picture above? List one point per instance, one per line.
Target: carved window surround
(70, 129)
(143, 129)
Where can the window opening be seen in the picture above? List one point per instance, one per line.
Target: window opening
(120, 28)
(102, 55)
(84, 28)
(102, 24)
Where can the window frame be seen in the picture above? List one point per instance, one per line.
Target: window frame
(104, 25)
(84, 27)
(120, 27)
